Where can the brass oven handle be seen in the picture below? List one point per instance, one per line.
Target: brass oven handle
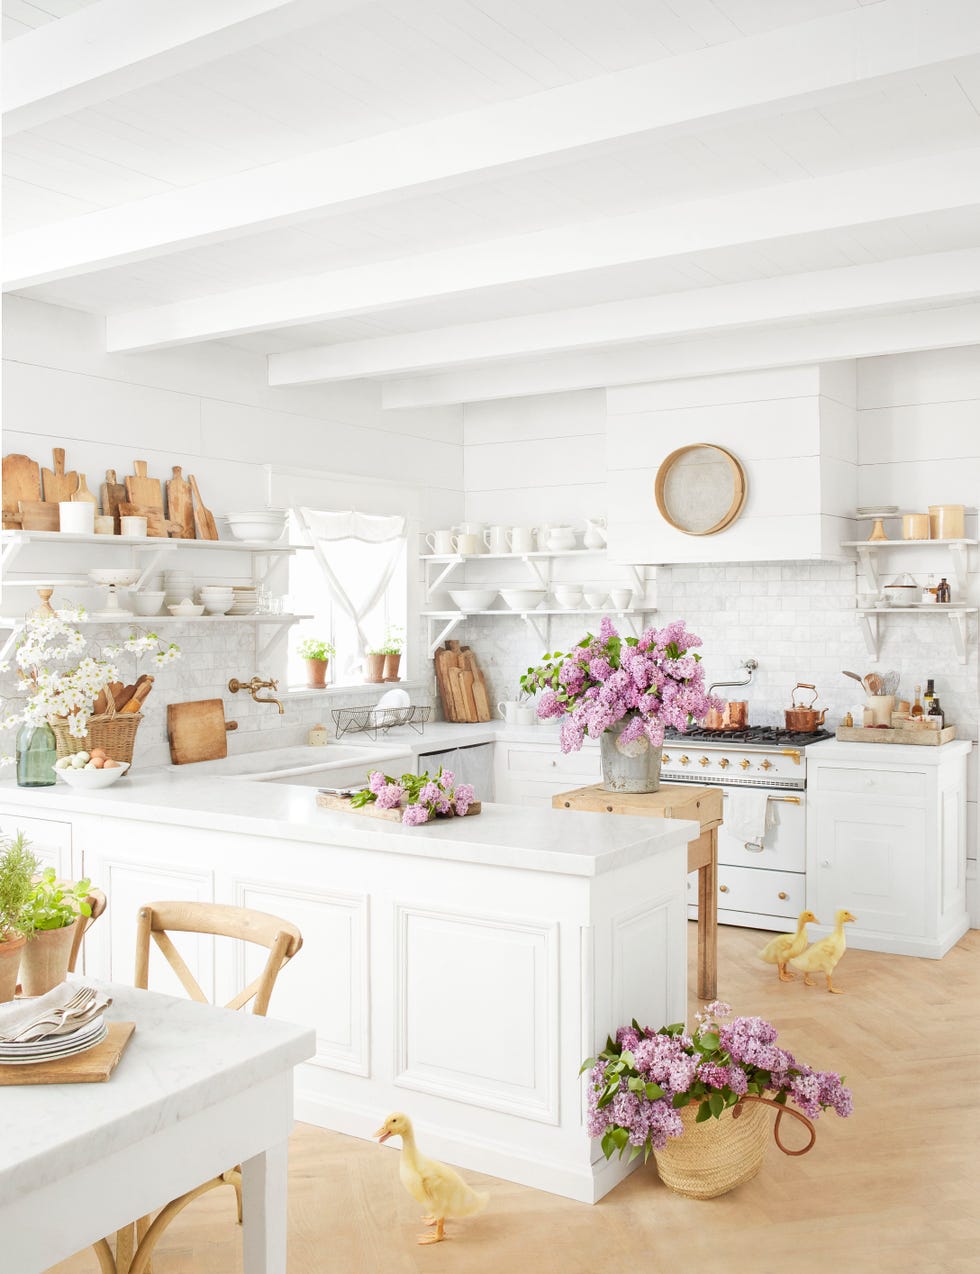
(787, 800)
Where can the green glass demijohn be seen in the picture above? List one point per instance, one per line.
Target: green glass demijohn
(36, 754)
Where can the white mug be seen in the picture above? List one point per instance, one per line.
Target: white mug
(509, 710)
(77, 517)
(497, 539)
(522, 539)
(621, 598)
(470, 544)
(442, 543)
(471, 528)
(542, 533)
(132, 526)
(527, 714)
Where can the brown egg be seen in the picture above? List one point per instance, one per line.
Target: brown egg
(111, 765)
(99, 762)
(97, 752)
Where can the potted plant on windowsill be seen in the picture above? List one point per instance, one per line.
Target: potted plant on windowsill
(17, 868)
(317, 654)
(392, 648)
(49, 918)
(374, 665)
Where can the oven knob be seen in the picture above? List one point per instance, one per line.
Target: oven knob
(724, 763)
(666, 759)
(704, 761)
(745, 764)
(685, 760)
(766, 764)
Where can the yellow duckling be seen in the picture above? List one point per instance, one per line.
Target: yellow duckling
(787, 945)
(824, 956)
(435, 1185)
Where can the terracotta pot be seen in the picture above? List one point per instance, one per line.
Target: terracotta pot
(391, 667)
(10, 953)
(44, 960)
(316, 674)
(374, 669)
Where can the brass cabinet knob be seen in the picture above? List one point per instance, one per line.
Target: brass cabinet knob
(783, 895)
(724, 763)
(685, 760)
(704, 761)
(723, 889)
(766, 764)
(745, 764)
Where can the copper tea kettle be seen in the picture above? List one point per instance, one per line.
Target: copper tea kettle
(804, 719)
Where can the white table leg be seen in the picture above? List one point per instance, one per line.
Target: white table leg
(264, 1211)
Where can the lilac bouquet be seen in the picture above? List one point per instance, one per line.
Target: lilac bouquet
(419, 797)
(655, 680)
(643, 1077)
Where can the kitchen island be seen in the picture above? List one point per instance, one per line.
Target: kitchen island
(460, 971)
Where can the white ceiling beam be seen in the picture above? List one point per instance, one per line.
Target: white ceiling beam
(779, 345)
(851, 199)
(113, 46)
(929, 279)
(784, 69)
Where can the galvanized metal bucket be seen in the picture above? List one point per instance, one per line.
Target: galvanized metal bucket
(629, 767)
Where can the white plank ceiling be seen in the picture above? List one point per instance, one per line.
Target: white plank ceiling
(105, 160)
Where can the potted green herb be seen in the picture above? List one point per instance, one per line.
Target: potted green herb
(317, 655)
(49, 918)
(374, 665)
(17, 868)
(391, 647)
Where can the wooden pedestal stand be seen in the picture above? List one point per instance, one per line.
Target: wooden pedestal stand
(701, 805)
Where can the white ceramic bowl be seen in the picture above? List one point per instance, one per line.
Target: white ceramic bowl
(92, 779)
(147, 603)
(473, 598)
(120, 576)
(260, 524)
(523, 598)
(186, 612)
(217, 605)
(595, 601)
(568, 598)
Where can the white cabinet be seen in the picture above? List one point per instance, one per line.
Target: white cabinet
(886, 839)
(532, 773)
(49, 840)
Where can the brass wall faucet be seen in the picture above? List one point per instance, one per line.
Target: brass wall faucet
(253, 687)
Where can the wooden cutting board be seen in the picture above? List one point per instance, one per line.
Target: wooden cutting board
(21, 481)
(922, 737)
(113, 494)
(442, 666)
(481, 698)
(83, 493)
(143, 490)
(343, 803)
(94, 1066)
(57, 484)
(197, 731)
(156, 524)
(203, 518)
(180, 505)
(35, 515)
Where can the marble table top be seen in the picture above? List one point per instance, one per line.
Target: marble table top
(182, 1058)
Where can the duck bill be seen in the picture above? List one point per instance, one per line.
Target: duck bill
(382, 1135)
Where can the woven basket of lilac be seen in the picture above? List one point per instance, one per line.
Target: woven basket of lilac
(698, 1101)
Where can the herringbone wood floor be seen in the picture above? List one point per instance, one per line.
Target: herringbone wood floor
(894, 1188)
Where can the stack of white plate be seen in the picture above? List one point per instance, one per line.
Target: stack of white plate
(246, 600)
(49, 1047)
(217, 599)
(177, 585)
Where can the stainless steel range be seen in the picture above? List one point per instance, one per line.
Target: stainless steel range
(761, 875)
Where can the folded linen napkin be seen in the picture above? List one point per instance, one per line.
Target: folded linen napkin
(60, 1012)
(748, 815)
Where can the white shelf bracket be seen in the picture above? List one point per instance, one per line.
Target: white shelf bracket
(868, 565)
(871, 634)
(639, 580)
(534, 624)
(960, 555)
(449, 627)
(958, 621)
(543, 578)
(280, 627)
(441, 578)
(155, 555)
(10, 551)
(8, 645)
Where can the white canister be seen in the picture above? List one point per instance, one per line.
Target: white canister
(561, 539)
(881, 707)
(469, 544)
(443, 543)
(497, 539)
(76, 517)
(132, 526)
(522, 539)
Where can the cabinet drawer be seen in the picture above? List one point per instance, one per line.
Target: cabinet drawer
(905, 784)
(757, 890)
(548, 762)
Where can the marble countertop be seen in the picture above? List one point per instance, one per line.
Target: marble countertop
(887, 753)
(182, 1058)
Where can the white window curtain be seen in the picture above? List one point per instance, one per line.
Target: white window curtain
(356, 592)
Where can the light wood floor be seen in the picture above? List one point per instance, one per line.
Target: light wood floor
(894, 1188)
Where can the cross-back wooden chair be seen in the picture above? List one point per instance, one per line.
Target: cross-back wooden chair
(282, 940)
(95, 900)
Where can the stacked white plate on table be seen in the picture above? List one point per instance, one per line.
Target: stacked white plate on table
(49, 1047)
(246, 600)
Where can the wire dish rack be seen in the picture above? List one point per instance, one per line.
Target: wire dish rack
(380, 720)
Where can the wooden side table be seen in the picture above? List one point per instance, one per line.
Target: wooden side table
(701, 805)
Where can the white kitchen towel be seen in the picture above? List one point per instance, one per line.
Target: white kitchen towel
(747, 814)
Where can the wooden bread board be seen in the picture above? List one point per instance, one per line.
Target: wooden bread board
(921, 737)
(21, 482)
(328, 801)
(180, 506)
(197, 731)
(94, 1066)
(141, 489)
(38, 515)
(57, 484)
(461, 684)
(156, 524)
(113, 495)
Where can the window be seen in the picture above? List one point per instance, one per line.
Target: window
(354, 585)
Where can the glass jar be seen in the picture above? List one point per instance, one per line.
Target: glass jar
(36, 755)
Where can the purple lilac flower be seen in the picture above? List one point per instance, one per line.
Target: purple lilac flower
(627, 1037)
(376, 781)
(446, 779)
(415, 815)
(390, 796)
(549, 705)
(430, 793)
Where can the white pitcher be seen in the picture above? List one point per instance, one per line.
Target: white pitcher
(522, 539)
(595, 533)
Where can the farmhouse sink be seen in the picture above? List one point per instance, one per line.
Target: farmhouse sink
(334, 765)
